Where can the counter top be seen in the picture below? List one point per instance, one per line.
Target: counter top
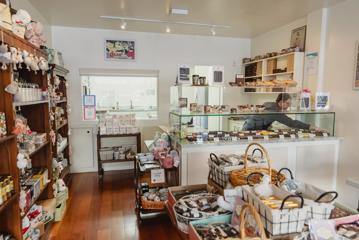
(187, 144)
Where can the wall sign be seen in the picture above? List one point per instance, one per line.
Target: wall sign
(89, 113)
(89, 100)
(120, 50)
(322, 101)
(157, 175)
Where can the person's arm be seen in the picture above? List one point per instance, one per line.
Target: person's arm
(284, 119)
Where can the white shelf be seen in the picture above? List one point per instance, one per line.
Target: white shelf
(16, 104)
(253, 76)
(277, 74)
(264, 59)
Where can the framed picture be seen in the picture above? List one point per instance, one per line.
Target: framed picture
(120, 50)
(322, 101)
(89, 100)
(89, 113)
(356, 67)
(184, 73)
(297, 38)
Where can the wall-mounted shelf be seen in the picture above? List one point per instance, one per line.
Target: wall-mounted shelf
(18, 104)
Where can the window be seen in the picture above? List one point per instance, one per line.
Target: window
(123, 93)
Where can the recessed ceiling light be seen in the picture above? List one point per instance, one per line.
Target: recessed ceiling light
(123, 25)
(168, 29)
(213, 31)
(178, 11)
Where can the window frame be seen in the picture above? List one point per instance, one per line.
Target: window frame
(124, 73)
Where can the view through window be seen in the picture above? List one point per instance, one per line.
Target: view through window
(123, 94)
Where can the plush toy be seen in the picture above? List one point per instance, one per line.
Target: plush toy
(35, 34)
(27, 59)
(21, 161)
(264, 189)
(5, 56)
(20, 59)
(34, 64)
(20, 20)
(61, 186)
(43, 65)
(14, 58)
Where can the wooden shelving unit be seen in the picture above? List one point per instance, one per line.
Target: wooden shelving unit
(264, 70)
(37, 115)
(60, 73)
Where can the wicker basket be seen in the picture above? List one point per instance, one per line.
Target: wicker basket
(240, 177)
(146, 204)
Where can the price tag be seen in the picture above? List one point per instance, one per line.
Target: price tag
(311, 135)
(216, 139)
(300, 135)
(300, 132)
(285, 133)
(241, 134)
(325, 134)
(258, 133)
(211, 135)
(250, 138)
(158, 175)
(266, 137)
(234, 138)
(281, 137)
(220, 133)
(292, 136)
(226, 135)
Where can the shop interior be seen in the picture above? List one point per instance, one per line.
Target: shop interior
(198, 120)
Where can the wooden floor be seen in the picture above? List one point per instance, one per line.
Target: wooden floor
(107, 211)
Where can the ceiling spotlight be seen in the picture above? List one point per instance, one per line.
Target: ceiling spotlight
(123, 25)
(168, 29)
(213, 31)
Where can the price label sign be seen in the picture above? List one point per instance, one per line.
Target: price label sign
(250, 138)
(325, 135)
(311, 135)
(285, 133)
(281, 137)
(266, 137)
(211, 135)
(226, 135)
(216, 139)
(292, 136)
(157, 176)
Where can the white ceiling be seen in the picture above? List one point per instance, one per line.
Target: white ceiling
(247, 18)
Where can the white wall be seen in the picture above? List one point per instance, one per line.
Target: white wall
(276, 39)
(339, 74)
(83, 48)
(35, 15)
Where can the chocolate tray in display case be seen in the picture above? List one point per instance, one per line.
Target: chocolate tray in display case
(202, 127)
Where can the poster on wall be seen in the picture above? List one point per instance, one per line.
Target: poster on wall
(298, 38)
(120, 50)
(89, 100)
(322, 101)
(356, 74)
(89, 113)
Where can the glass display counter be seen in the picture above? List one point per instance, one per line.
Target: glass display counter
(260, 124)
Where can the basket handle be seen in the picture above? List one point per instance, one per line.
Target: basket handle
(214, 158)
(249, 208)
(285, 169)
(252, 174)
(292, 196)
(333, 193)
(257, 150)
(265, 155)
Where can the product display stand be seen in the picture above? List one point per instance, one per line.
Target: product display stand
(37, 115)
(112, 159)
(145, 177)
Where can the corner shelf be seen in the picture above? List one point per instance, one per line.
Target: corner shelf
(38, 148)
(6, 138)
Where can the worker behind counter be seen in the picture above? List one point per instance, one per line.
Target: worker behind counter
(264, 121)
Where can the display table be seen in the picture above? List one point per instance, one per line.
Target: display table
(311, 160)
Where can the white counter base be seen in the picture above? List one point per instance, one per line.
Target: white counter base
(311, 160)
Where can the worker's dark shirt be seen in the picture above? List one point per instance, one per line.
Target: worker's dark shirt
(263, 121)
